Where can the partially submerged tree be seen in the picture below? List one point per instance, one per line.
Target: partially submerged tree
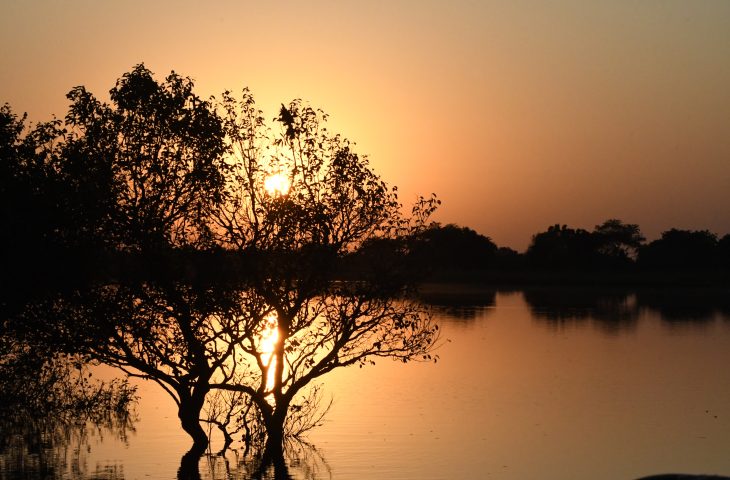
(325, 203)
(160, 174)
(141, 176)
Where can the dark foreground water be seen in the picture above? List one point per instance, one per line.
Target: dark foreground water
(548, 384)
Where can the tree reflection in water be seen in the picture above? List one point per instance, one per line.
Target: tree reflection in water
(612, 311)
(49, 448)
(690, 306)
(458, 302)
(619, 310)
(301, 461)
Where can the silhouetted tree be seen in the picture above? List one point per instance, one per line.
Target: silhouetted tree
(329, 203)
(723, 251)
(32, 218)
(681, 249)
(160, 171)
(507, 258)
(562, 247)
(618, 242)
(140, 175)
(449, 248)
(147, 169)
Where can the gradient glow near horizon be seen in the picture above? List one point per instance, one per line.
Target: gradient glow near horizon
(519, 115)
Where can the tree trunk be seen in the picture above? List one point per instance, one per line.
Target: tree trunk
(189, 415)
(189, 465)
(274, 448)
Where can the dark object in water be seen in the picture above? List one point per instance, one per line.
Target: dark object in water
(683, 476)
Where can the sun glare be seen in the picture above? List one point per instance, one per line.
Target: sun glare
(269, 339)
(277, 184)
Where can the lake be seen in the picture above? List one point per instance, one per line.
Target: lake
(543, 383)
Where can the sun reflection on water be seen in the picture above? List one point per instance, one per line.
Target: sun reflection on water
(269, 339)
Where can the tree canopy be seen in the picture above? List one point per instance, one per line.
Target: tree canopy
(159, 177)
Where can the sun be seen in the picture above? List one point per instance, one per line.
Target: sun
(277, 184)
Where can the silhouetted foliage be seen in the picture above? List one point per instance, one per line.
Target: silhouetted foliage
(157, 182)
(507, 258)
(612, 245)
(723, 252)
(33, 252)
(617, 242)
(297, 237)
(681, 249)
(146, 171)
(562, 247)
(450, 247)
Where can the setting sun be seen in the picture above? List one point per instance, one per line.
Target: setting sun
(277, 184)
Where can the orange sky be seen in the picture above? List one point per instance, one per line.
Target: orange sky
(518, 114)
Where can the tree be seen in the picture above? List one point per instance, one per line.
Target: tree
(329, 203)
(146, 170)
(618, 241)
(452, 248)
(141, 176)
(723, 251)
(562, 247)
(681, 249)
(175, 334)
(159, 176)
(31, 216)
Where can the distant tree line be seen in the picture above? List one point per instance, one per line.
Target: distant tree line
(446, 252)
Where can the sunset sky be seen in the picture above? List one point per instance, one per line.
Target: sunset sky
(518, 114)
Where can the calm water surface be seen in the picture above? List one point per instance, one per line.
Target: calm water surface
(548, 384)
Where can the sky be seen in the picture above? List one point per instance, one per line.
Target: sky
(517, 114)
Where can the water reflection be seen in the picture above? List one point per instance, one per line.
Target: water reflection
(32, 448)
(302, 461)
(46, 449)
(533, 393)
(611, 311)
(614, 311)
(459, 302)
(687, 306)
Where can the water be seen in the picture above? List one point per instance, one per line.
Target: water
(549, 384)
